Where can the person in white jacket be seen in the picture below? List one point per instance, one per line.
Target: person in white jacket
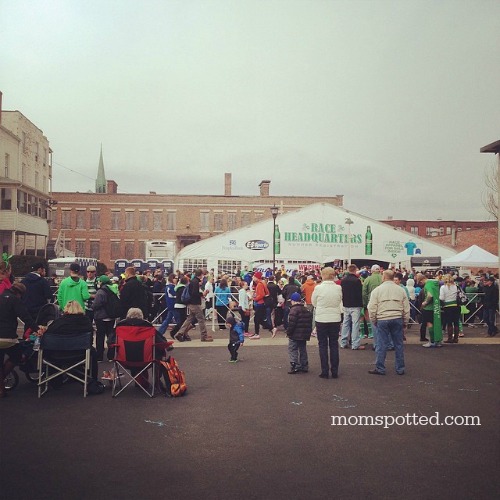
(327, 302)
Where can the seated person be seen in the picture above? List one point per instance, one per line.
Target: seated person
(135, 318)
(11, 308)
(74, 320)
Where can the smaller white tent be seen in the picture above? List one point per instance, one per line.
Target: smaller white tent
(473, 256)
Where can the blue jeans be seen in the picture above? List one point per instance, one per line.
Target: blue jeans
(390, 330)
(489, 318)
(351, 326)
(163, 327)
(297, 351)
(328, 337)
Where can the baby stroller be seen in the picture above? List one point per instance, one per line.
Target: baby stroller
(29, 362)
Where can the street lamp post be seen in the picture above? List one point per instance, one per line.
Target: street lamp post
(348, 221)
(274, 213)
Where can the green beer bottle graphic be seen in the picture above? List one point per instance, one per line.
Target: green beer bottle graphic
(368, 241)
(277, 239)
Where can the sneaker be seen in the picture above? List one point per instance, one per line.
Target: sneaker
(274, 332)
(375, 372)
(461, 334)
(429, 344)
(254, 337)
(439, 344)
(233, 360)
(207, 339)
(359, 348)
(314, 334)
(106, 376)
(179, 337)
(247, 334)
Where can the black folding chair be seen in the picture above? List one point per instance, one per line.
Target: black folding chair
(64, 354)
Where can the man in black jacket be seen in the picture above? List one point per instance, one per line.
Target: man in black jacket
(352, 299)
(133, 293)
(38, 291)
(490, 304)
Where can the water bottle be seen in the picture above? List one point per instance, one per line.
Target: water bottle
(36, 345)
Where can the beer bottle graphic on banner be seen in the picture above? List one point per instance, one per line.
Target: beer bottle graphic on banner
(277, 239)
(368, 241)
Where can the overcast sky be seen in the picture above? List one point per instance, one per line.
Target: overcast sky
(385, 102)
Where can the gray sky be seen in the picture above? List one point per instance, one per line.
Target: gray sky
(386, 102)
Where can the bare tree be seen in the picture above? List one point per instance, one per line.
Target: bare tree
(490, 197)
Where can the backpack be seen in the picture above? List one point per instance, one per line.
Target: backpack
(186, 295)
(175, 380)
(113, 306)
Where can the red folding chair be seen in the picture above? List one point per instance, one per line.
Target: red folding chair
(134, 357)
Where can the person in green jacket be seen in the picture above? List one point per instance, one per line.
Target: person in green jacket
(73, 288)
(431, 313)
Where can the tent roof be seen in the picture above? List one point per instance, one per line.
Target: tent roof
(473, 256)
(317, 233)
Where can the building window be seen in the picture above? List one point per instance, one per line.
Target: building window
(80, 248)
(44, 185)
(228, 267)
(95, 219)
(245, 219)
(414, 229)
(37, 179)
(142, 249)
(190, 265)
(80, 219)
(66, 219)
(115, 250)
(129, 221)
(129, 250)
(94, 249)
(157, 217)
(218, 222)
(7, 164)
(23, 173)
(204, 221)
(231, 221)
(448, 230)
(5, 199)
(441, 230)
(143, 221)
(171, 221)
(115, 221)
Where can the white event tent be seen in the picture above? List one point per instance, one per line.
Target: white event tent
(318, 233)
(473, 256)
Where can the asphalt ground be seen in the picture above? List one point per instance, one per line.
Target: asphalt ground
(249, 430)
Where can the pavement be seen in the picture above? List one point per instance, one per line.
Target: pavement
(251, 431)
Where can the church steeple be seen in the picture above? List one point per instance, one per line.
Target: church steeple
(100, 183)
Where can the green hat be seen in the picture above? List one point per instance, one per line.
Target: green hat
(104, 279)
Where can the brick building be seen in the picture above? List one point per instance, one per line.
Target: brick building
(439, 227)
(111, 225)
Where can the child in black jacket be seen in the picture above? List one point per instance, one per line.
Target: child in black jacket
(298, 333)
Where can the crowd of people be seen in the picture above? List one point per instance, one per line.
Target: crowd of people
(338, 306)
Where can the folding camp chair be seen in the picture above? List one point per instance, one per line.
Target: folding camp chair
(64, 354)
(134, 351)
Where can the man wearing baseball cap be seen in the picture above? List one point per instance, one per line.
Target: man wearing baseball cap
(370, 283)
(73, 288)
